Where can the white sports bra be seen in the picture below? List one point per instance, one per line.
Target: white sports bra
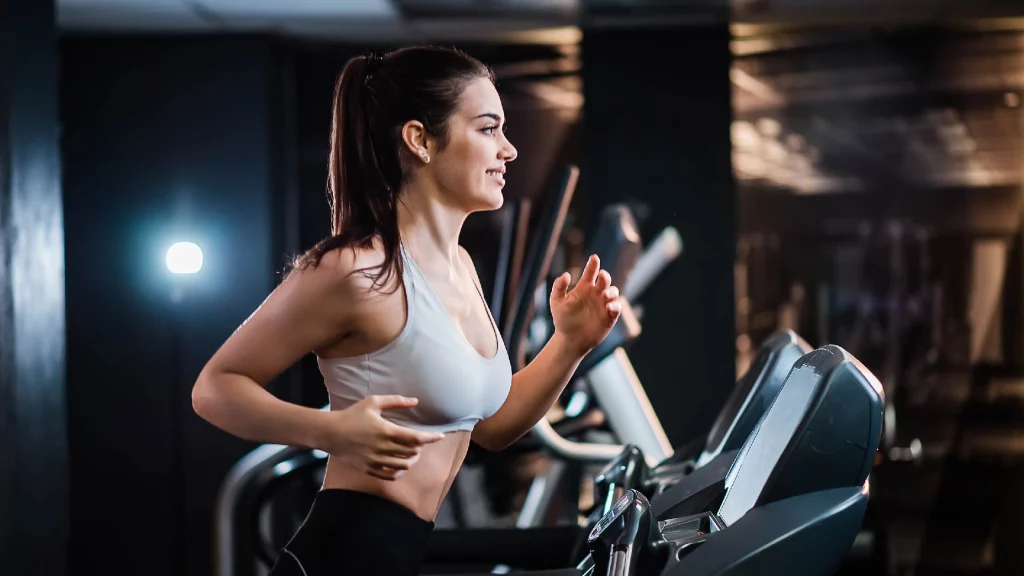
(429, 360)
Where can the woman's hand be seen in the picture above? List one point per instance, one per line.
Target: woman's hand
(584, 315)
(360, 437)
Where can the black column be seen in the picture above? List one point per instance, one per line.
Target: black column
(33, 443)
(657, 130)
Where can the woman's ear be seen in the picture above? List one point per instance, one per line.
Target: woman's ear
(416, 140)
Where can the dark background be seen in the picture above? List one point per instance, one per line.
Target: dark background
(222, 140)
(162, 138)
(115, 144)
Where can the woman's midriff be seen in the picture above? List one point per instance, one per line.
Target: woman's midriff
(420, 489)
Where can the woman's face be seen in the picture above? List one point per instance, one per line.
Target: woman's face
(470, 170)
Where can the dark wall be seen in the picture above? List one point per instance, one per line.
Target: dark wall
(163, 139)
(33, 439)
(656, 131)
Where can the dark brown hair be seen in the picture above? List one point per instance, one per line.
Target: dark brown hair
(375, 96)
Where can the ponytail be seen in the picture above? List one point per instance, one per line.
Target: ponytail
(374, 97)
(364, 206)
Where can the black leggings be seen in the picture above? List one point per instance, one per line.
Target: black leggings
(354, 533)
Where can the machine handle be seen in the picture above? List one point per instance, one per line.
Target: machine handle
(618, 564)
(579, 451)
(652, 262)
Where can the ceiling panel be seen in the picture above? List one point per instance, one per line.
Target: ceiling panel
(847, 12)
(324, 16)
(299, 9)
(129, 15)
(353, 19)
(920, 109)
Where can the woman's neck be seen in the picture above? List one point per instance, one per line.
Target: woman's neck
(430, 228)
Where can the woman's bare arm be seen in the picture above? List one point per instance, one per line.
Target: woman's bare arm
(534, 390)
(311, 308)
(537, 386)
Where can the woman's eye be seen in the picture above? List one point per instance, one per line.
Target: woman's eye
(490, 129)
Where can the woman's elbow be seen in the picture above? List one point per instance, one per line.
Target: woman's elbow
(204, 397)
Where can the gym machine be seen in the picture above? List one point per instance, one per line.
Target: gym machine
(551, 547)
(791, 500)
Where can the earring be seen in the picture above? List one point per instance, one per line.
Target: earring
(423, 154)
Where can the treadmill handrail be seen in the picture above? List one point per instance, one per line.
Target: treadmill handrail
(571, 450)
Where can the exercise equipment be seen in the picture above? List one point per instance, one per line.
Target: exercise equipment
(793, 499)
(747, 404)
(790, 500)
(565, 545)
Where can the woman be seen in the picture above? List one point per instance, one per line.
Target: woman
(392, 307)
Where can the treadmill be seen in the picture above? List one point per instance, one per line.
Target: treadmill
(791, 501)
(559, 546)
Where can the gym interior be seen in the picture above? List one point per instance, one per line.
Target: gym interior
(813, 209)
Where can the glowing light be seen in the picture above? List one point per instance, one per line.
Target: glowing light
(184, 258)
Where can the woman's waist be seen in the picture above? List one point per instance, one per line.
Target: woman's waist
(420, 489)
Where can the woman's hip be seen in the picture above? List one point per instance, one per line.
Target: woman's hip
(352, 532)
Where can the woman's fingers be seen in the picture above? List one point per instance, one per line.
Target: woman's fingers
(382, 475)
(392, 463)
(398, 450)
(611, 293)
(590, 272)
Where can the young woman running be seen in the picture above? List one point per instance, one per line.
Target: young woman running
(392, 307)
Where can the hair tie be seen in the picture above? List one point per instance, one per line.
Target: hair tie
(374, 60)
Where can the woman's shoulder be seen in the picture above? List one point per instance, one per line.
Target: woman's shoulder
(350, 268)
(355, 257)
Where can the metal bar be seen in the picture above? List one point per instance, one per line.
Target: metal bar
(629, 411)
(652, 262)
(538, 499)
